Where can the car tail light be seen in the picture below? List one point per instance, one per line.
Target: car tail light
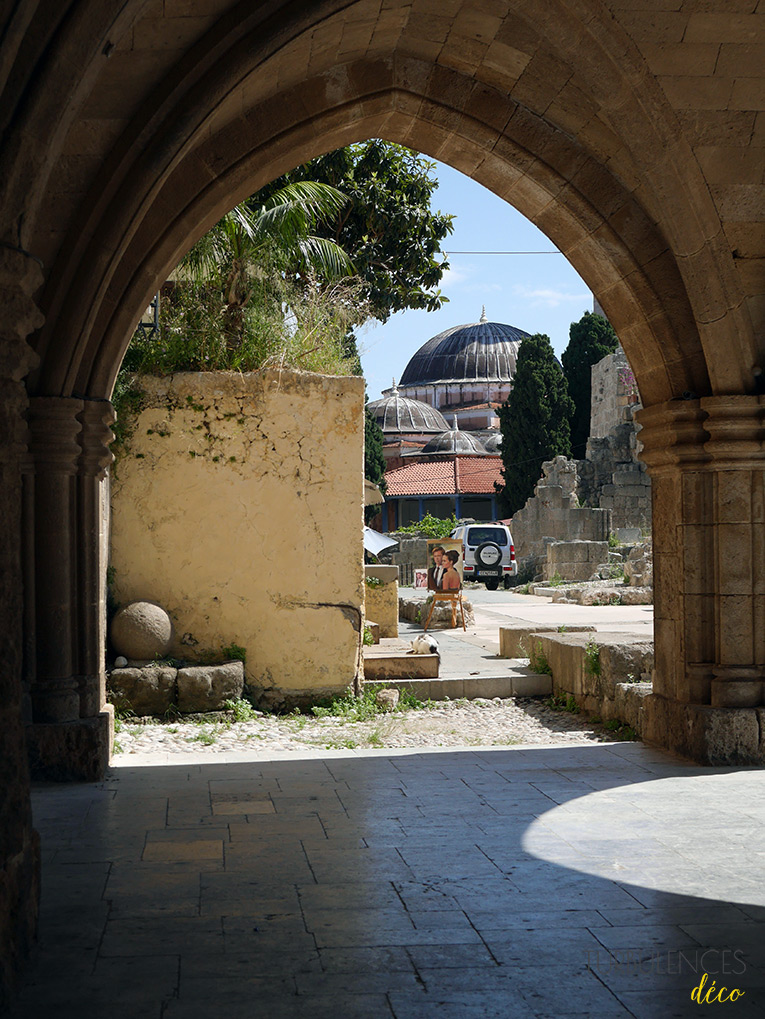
(512, 553)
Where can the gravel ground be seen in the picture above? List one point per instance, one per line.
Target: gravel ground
(514, 721)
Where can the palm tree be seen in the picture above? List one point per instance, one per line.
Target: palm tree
(248, 250)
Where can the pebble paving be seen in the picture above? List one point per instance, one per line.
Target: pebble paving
(480, 722)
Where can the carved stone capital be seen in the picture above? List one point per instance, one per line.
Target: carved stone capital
(736, 427)
(673, 435)
(96, 418)
(711, 434)
(53, 431)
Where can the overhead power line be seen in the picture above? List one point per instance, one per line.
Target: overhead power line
(449, 252)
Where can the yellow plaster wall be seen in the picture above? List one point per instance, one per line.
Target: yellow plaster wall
(237, 505)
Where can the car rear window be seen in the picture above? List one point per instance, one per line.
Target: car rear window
(478, 535)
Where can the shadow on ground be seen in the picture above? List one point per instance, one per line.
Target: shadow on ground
(597, 881)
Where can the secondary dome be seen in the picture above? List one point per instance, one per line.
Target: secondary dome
(454, 441)
(493, 443)
(481, 352)
(399, 414)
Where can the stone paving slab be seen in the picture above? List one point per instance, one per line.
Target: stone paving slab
(597, 881)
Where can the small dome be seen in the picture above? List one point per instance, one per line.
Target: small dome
(454, 441)
(492, 444)
(480, 352)
(397, 414)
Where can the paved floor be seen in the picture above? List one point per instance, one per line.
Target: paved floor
(598, 881)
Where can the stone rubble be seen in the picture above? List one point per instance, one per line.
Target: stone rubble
(480, 722)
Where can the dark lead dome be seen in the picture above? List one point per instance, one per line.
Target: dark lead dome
(398, 414)
(454, 441)
(481, 352)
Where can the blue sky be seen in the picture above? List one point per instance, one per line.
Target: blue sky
(537, 293)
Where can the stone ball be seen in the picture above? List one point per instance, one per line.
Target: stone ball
(120, 662)
(142, 630)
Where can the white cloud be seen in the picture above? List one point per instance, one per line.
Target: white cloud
(549, 297)
(454, 277)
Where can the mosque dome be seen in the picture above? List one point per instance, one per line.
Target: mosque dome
(481, 352)
(493, 443)
(454, 441)
(397, 414)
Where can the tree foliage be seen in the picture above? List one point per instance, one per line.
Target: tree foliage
(590, 340)
(387, 227)
(260, 289)
(534, 421)
(374, 458)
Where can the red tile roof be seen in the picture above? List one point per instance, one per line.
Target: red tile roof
(459, 475)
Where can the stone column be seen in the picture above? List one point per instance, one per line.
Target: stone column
(20, 278)
(94, 439)
(54, 452)
(71, 732)
(707, 463)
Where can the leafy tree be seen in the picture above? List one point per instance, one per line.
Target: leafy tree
(387, 227)
(534, 421)
(590, 340)
(233, 305)
(374, 458)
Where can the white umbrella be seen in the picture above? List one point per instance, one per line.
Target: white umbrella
(375, 543)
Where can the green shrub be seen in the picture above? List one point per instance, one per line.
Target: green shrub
(560, 703)
(592, 658)
(431, 527)
(242, 710)
(538, 660)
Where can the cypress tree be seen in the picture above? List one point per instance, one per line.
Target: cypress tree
(590, 340)
(374, 458)
(534, 421)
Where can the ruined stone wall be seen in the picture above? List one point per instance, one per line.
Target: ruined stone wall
(237, 505)
(612, 476)
(553, 513)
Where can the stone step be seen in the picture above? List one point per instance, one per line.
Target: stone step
(393, 659)
(518, 681)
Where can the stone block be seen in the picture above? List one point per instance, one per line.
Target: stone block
(628, 534)
(514, 638)
(397, 664)
(535, 684)
(625, 661)
(76, 751)
(387, 574)
(716, 736)
(147, 691)
(207, 687)
(577, 551)
(628, 703)
(381, 600)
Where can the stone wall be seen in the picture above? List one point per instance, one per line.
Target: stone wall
(553, 513)
(612, 476)
(237, 505)
(575, 560)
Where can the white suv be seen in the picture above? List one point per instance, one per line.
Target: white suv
(489, 553)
